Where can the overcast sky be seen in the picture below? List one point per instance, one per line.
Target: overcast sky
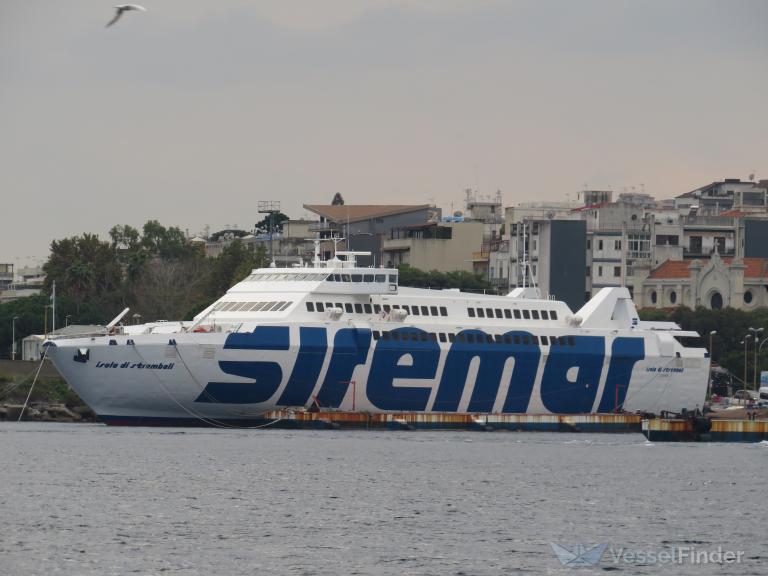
(191, 112)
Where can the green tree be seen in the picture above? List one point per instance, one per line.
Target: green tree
(438, 280)
(262, 226)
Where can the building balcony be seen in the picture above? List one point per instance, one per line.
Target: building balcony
(706, 253)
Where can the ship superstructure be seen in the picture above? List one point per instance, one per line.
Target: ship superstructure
(338, 336)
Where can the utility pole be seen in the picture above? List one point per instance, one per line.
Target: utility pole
(13, 338)
(270, 207)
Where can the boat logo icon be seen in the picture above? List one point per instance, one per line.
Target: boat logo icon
(578, 555)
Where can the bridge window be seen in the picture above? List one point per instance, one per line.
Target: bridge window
(544, 315)
(451, 337)
(320, 307)
(348, 307)
(376, 308)
(527, 314)
(433, 310)
(489, 312)
(553, 315)
(442, 337)
(507, 313)
(286, 305)
(310, 307)
(443, 311)
(387, 308)
(498, 313)
(480, 313)
(357, 277)
(471, 312)
(381, 278)
(367, 308)
(543, 340)
(424, 311)
(535, 340)
(358, 308)
(393, 278)
(415, 311)
(535, 314)
(517, 314)
(367, 277)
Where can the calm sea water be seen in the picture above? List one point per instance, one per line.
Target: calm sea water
(86, 499)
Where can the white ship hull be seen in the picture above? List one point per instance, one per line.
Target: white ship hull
(155, 382)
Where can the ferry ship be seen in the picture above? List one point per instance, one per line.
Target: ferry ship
(337, 336)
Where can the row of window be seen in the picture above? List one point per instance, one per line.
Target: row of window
(516, 314)
(251, 306)
(472, 338)
(378, 308)
(318, 277)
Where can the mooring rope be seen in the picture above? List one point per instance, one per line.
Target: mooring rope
(32, 387)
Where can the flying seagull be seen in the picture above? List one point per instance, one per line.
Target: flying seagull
(120, 8)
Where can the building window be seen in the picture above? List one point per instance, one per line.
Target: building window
(716, 302)
(589, 244)
(588, 271)
(747, 297)
(599, 244)
(673, 297)
(653, 297)
(599, 270)
(695, 245)
(616, 271)
(617, 244)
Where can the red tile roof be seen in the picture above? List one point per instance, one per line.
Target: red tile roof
(672, 269)
(737, 213)
(589, 207)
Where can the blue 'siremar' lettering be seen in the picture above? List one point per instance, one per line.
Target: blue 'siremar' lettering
(569, 383)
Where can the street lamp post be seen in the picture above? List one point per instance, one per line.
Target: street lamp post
(709, 375)
(759, 348)
(13, 338)
(756, 332)
(744, 382)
